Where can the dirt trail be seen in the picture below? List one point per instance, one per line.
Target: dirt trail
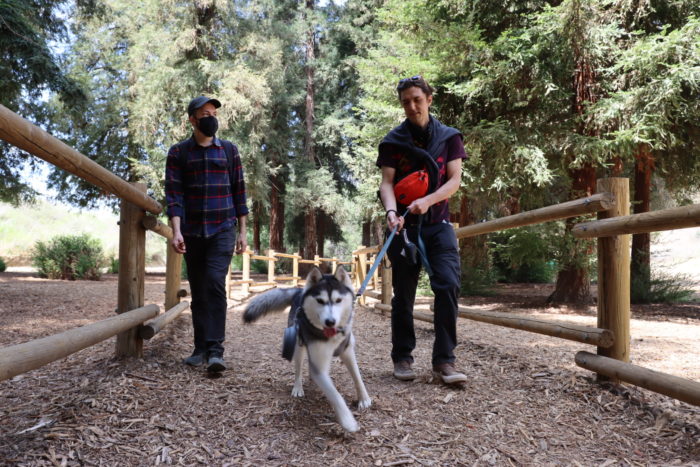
(526, 402)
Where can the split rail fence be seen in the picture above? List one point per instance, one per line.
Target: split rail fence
(612, 334)
(135, 321)
(273, 279)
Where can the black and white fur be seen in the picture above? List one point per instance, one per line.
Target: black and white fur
(323, 312)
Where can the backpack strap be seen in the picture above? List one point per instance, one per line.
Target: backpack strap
(229, 148)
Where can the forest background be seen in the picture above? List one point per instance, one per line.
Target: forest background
(549, 96)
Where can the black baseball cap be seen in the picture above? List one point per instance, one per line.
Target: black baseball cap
(197, 102)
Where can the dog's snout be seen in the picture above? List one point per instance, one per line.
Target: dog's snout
(330, 322)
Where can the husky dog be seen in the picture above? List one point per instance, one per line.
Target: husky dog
(321, 315)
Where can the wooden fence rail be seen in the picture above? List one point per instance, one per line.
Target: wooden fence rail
(154, 326)
(273, 279)
(20, 358)
(29, 137)
(596, 203)
(655, 221)
(669, 385)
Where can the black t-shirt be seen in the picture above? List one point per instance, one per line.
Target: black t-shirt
(396, 158)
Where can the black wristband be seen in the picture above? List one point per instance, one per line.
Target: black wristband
(391, 210)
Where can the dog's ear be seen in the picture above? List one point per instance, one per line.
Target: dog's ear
(344, 278)
(313, 277)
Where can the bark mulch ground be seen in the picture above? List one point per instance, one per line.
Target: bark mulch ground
(526, 403)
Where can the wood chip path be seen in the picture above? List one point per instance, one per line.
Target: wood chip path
(526, 402)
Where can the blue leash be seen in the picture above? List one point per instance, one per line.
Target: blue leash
(421, 250)
(379, 258)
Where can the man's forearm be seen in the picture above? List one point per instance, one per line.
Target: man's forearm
(386, 192)
(175, 221)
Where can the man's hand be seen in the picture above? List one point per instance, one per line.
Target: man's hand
(392, 220)
(241, 243)
(419, 206)
(178, 243)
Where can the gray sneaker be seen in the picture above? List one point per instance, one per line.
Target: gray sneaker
(216, 364)
(447, 373)
(403, 371)
(195, 359)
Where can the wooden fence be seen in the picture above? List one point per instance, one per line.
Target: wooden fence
(614, 224)
(133, 223)
(273, 279)
(612, 334)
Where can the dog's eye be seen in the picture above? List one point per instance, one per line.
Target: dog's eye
(338, 300)
(320, 301)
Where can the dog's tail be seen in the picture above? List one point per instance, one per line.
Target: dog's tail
(272, 300)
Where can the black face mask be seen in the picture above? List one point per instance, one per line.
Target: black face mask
(208, 125)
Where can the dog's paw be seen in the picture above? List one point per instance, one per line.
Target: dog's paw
(364, 403)
(350, 424)
(298, 391)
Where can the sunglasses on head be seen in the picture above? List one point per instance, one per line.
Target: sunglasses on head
(406, 82)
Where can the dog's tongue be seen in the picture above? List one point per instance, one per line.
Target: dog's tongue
(329, 332)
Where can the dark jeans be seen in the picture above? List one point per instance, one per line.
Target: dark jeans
(441, 249)
(208, 260)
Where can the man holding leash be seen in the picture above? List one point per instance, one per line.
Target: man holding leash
(421, 163)
(206, 198)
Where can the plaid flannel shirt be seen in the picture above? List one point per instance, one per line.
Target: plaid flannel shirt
(200, 190)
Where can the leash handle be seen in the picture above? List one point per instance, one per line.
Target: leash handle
(379, 258)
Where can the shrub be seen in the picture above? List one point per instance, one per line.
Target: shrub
(113, 265)
(524, 255)
(660, 288)
(69, 257)
(477, 281)
(3, 266)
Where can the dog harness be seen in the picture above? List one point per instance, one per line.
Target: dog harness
(307, 332)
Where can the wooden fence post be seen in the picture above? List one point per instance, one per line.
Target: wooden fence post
(271, 266)
(132, 270)
(173, 276)
(375, 277)
(387, 289)
(334, 265)
(245, 286)
(295, 270)
(361, 273)
(614, 275)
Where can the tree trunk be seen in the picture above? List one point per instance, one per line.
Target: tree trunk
(474, 253)
(310, 244)
(320, 233)
(464, 217)
(257, 213)
(277, 190)
(573, 285)
(366, 233)
(641, 243)
(378, 227)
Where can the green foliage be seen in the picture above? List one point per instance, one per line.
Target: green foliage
(113, 265)
(660, 288)
(69, 257)
(524, 254)
(3, 266)
(478, 281)
(28, 69)
(258, 266)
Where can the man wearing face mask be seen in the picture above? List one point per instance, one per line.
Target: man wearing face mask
(206, 199)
